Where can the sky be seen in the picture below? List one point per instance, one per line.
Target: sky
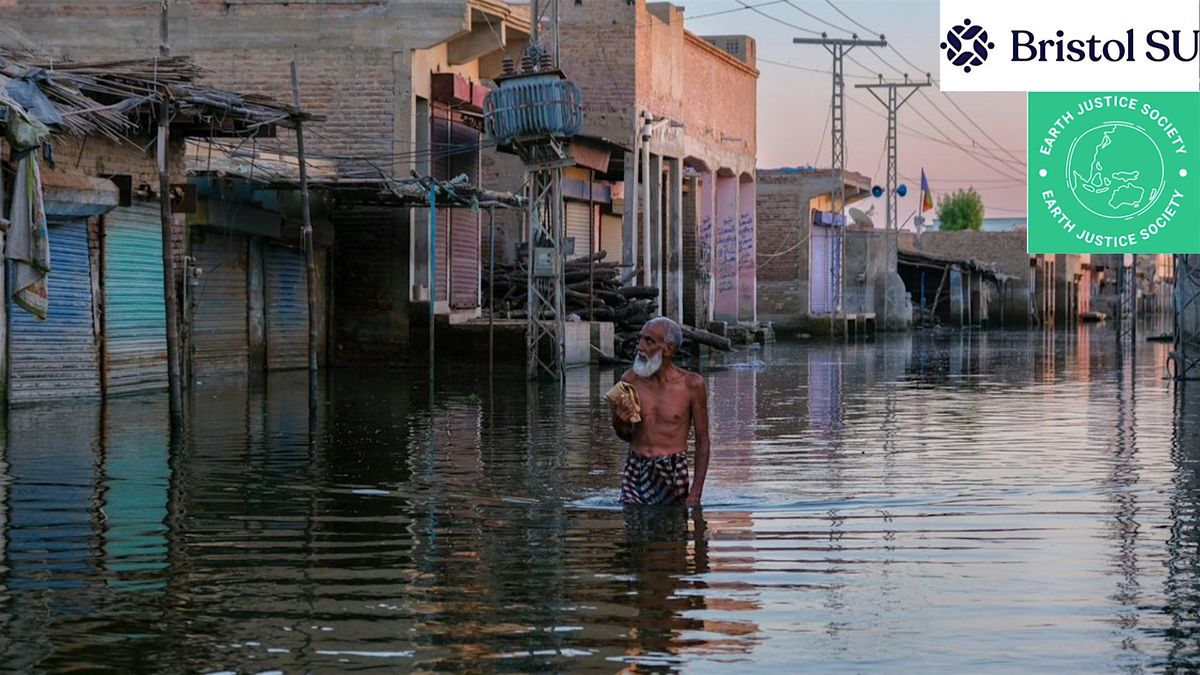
(981, 146)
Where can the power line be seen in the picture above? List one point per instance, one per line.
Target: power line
(810, 15)
(914, 133)
(784, 64)
(969, 118)
(735, 9)
(756, 10)
(849, 18)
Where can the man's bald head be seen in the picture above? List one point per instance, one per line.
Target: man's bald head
(672, 333)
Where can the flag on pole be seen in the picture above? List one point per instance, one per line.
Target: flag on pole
(926, 195)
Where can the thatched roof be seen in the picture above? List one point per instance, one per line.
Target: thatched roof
(119, 99)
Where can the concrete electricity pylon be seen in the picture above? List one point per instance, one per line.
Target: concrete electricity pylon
(1185, 356)
(893, 105)
(1127, 293)
(838, 48)
(533, 113)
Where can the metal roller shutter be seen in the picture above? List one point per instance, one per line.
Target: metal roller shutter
(579, 225)
(135, 324)
(441, 165)
(287, 308)
(819, 296)
(464, 259)
(58, 357)
(464, 225)
(220, 332)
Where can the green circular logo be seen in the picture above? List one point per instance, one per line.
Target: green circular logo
(1115, 170)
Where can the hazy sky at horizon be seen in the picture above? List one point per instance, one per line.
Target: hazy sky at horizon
(793, 103)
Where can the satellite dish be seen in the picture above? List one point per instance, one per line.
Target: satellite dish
(902, 190)
(877, 192)
(861, 218)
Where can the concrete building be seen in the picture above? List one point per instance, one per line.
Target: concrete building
(796, 253)
(676, 114)
(400, 83)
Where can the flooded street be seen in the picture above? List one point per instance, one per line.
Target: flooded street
(950, 503)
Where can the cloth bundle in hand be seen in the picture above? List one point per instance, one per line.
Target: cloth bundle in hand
(624, 393)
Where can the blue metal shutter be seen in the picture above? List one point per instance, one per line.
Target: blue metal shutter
(220, 330)
(135, 324)
(287, 308)
(58, 358)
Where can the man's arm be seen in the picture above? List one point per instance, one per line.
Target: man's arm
(699, 398)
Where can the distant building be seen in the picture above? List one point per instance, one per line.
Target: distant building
(991, 225)
(795, 256)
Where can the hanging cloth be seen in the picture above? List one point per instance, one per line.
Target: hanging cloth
(28, 244)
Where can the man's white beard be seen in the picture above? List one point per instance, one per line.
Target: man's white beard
(646, 367)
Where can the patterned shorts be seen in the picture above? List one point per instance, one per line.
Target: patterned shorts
(655, 480)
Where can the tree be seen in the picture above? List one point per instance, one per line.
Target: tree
(962, 210)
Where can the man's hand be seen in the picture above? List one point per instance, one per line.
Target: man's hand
(624, 410)
(693, 499)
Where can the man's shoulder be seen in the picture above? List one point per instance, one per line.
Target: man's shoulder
(692, 380)
(629, 376)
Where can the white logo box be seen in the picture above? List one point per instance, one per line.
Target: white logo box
(1078, 20)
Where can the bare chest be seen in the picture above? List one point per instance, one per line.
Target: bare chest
(668, 405)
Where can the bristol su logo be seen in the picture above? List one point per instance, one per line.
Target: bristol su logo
(1112, 172)
(967, 46)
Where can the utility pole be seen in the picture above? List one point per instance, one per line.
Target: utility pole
(170, 297)
(838, 48)
(306, 237)
(1127, 290)
(1186, 306)
(893, 105)
(533, 112)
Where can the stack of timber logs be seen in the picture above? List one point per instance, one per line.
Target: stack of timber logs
(596, 291)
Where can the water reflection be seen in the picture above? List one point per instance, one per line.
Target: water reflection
(939, 501)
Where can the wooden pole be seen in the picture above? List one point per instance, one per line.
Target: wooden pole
(306, 236)
(170, 297)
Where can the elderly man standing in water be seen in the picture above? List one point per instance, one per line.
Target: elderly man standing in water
(672, 401)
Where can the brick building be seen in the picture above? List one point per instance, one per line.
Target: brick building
(795, 257)
(399, 85)
(677, 112)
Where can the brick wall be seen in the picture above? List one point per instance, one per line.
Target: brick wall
(720, 98)
(97, 156)
(600, 55)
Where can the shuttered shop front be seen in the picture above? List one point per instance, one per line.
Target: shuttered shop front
(820, 275)
(579, 225)
(286, 308)
(58, 357)
(456, 152)
(220, 332)
(135, 326)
